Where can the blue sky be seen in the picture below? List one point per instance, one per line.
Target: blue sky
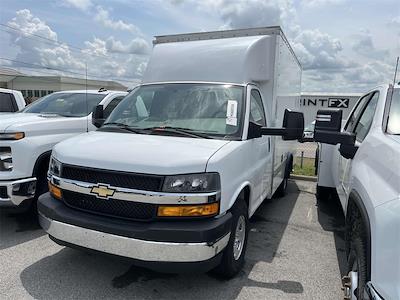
(343, 45)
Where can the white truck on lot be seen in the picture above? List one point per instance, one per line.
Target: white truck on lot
(11, 101)
(174, 173)
(361, 164)
(27, 137)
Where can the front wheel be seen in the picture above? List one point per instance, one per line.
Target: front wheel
(357, 269)
(233, 256)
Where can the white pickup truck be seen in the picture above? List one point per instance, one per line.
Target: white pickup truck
(11, 101)
(361, 164)
(175, 172)
(27, 138)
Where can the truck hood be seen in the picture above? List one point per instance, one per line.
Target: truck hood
(34, 124)
(138, 153)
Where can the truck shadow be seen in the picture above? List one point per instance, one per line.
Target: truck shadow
(18, 228)
(331, 218)
(76, 274)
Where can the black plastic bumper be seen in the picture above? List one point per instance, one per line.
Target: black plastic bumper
(187, 231)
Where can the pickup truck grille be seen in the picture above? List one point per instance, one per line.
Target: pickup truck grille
(110, 207)
(114, 178)
(3, 192)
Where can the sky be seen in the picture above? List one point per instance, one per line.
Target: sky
(343, 45)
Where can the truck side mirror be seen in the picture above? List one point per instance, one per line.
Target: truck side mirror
(293, 126)
(98, 116)
(327, 128)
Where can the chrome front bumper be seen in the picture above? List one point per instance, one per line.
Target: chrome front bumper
(17, 191)
(133, 248)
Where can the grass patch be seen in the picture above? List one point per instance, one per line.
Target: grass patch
(308, 168)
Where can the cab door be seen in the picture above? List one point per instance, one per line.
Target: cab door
(359, 123)
(260, 147)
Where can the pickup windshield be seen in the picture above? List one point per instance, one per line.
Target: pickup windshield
(394, 113)
(211, 109)
(65, 104)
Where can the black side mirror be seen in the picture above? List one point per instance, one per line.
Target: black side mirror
(254, 131)
(293, 126)
(327, 128)
(98, 116)
(348, 151)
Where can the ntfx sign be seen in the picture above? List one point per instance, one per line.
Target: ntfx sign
(331, 102)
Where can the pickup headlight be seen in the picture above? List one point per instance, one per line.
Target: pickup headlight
(12, 136)
(6, 163)
(54, 167)
(192, 183)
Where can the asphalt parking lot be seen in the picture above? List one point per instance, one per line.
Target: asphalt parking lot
(295, 251)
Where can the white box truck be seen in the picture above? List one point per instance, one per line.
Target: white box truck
(173, 175)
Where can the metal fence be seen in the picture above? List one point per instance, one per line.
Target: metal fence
(304, 159)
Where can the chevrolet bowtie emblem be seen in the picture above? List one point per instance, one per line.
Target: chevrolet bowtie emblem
(102, 191)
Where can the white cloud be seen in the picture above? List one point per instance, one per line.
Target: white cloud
(83, 5)
(364, 45)
(319, 3)
(108, 59)
(394, 21)
(135, 46)
(103, 17)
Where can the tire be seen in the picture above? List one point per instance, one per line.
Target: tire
(232, 261)
(281, 191)
(357, 261)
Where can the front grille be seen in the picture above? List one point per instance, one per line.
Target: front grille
(110, 207)
(3, 192)
(114, 178)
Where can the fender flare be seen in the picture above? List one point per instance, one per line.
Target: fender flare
(355, 198)
(39, 161)
(235, 196)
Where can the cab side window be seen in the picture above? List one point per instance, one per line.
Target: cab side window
(356, 113)
(364, 124)
(7, 103)
(113, 104)
(257, 114)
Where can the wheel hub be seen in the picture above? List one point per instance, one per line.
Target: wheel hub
(240, 235)
(350, 284)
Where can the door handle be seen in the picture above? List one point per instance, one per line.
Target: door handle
(269, 144)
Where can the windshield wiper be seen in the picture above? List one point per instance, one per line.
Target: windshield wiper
(179, 130)
(123, 127)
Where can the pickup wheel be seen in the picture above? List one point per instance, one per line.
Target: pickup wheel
(233, 256)
(281, 191)
(356, 277)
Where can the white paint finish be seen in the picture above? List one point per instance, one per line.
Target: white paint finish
(41, 134)
(150, 154)
(374, 174)
(19, 99)
(236, 60)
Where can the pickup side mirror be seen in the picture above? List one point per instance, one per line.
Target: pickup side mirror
(293, 126)
(327, 130)
(98, 116)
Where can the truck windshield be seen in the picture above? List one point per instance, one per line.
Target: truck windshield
(212, 109)
(394, 113)
(65, 104)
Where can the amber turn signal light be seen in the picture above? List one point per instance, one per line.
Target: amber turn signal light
(55, 191)
(188, 210)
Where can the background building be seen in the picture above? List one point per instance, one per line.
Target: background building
(310, 103)
(33, 87)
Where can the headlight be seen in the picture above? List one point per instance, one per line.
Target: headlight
(192, 183)
(54, 167)
(12, 136)
(6, 163)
